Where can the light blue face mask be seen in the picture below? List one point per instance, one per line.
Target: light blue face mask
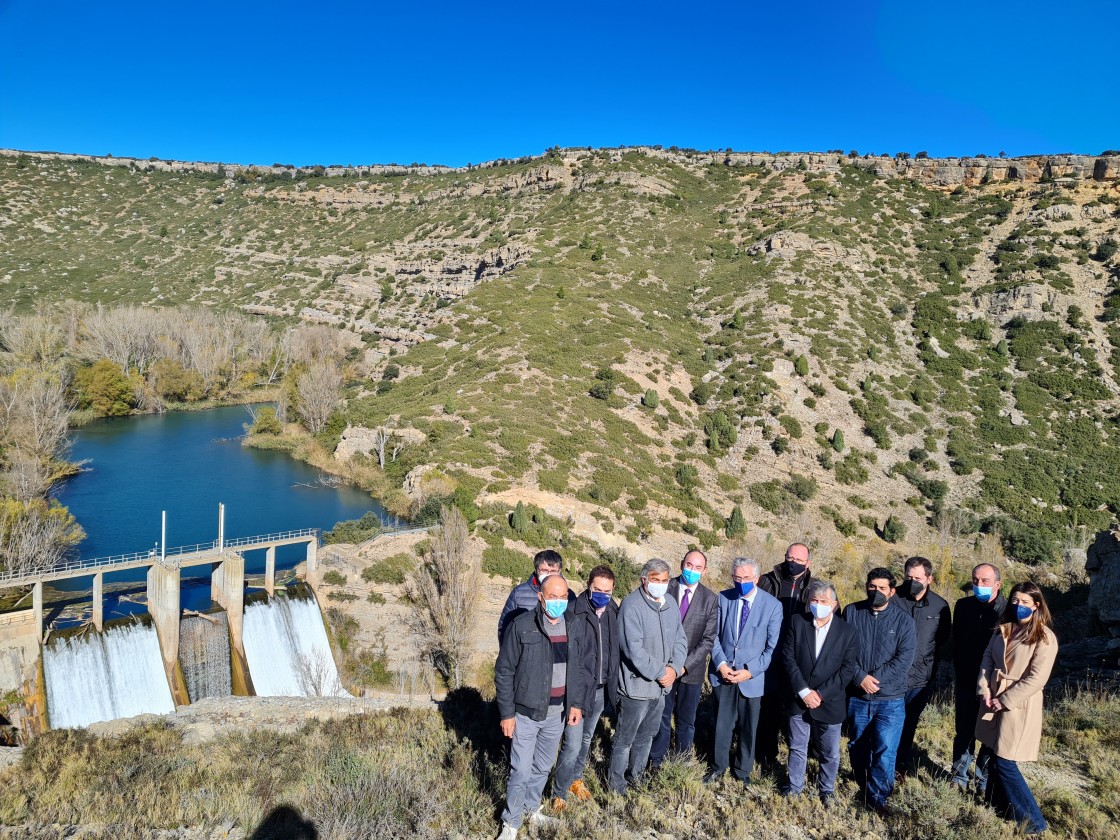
(691, 577)
(555, 609)
(982, 593)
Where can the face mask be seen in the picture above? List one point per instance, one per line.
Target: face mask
(599, 599)
(876, 599)
(555, 609)
(911, 589)
(820, 611)
(982, 593)
(691, 577)
(793, 568)
(1023, 613)
(744, 589)
(540, 578)
(657, 590)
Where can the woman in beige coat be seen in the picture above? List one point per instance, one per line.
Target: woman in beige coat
(1016, 666)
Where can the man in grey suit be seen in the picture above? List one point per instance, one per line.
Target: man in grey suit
(749, 624)
(698, 606)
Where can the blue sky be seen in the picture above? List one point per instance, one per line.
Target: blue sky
(342, 82)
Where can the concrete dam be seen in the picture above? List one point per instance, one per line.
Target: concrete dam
(271, 642)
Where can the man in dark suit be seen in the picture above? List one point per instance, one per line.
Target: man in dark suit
(749, 623)
(698, 606)
(820, 657)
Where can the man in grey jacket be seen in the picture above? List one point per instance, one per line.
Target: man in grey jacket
(653, 648)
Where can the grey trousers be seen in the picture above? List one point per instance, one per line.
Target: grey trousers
(531, 758)
(638, 724)
(577, 744)
(826, 736)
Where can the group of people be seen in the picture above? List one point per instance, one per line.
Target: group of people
(781, 659)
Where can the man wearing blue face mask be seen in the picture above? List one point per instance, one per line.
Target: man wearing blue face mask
(749, 625)
(537, 686)
(652, 651)
(698, 606)
(975, 618)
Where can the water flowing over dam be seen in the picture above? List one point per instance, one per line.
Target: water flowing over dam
(204, 656)
(287, 649)
(102, 676)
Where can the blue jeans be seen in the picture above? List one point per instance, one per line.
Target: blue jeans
(874, 729)
(638, 722)
(683, 699)
(577, 743)
(916, 701)
(1009, 794)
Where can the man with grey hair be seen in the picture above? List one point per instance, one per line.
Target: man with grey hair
(974, 620)
(820, 657)
(652, 652)
(748, 625)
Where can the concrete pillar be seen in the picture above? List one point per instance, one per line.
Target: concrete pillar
(227, 587)
(163, 604)
(312, 573)
(37, 607)
(270, 570)
(99, 601)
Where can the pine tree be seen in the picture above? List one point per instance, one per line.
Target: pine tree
(735, 524)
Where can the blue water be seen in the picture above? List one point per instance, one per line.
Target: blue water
(186, 463)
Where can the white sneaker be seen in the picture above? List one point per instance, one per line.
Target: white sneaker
(508, 832)
(539, 817)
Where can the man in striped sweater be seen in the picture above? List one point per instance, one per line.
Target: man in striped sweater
(539, 691)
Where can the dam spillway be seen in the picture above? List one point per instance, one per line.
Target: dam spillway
(204, 654)
(287, 649)
(92, 676)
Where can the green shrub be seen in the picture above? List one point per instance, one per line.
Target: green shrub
(392, 570)
(893, 530)
(701, 393)
(651, 399)
(801, 365)
(791, 425)
(735, 524)
(838, 440)
(354, 530)
(334, 578)
(265, 422)
(500, 561)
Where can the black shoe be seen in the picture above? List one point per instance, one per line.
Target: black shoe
(827, 798)
(713, 777)
(787, 793)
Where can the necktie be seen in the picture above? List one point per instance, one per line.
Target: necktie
(744, 611)
(684, 604)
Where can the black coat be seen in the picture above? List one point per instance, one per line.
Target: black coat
(932, 625)
(828, 675)
(583, 645)
(523, 673)
(699, 628)
(974, 622)
(794, 602)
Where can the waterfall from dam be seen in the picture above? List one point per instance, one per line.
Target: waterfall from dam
(204, 655)
(287, 650)
(103, 676)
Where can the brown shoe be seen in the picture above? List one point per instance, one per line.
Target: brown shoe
(582, 792)
(558, 805)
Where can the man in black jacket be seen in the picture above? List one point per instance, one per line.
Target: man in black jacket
(698, 606)
(974, 620)
(538, 690)
(877, 701)
(593, 638)
(821, 653)
(932, 625)
(789, 583)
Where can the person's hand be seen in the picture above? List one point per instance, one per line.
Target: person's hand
(574, 716)
(668, 678)
(996, 706)
(870, 685)
(736, 675)
(507, 726)
(812, 700)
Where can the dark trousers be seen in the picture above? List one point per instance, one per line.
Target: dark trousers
(916, 701)
(682, 700)
(1009, 794)
(772, 720)
(735, 714)
(964, 742)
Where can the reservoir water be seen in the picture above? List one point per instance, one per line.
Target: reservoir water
(186, 463)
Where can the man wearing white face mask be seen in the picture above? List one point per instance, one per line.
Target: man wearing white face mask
(821, 655)
(652, 651)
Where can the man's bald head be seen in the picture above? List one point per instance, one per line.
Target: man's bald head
(554, 588)
(799, 553)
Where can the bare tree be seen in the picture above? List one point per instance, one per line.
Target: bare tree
(320, 392)
(317, 674)
(35, 536)
(316, 343)
(443, 598)
(381, 438)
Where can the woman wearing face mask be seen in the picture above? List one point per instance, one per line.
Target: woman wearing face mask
(1016, 666)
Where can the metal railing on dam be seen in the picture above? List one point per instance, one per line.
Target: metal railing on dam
(187, 555)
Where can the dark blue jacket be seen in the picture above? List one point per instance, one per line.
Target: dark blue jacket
(886, 648)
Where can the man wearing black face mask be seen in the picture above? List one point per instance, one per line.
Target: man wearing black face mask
(789, 583)
(932, 625)
(877, 695)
